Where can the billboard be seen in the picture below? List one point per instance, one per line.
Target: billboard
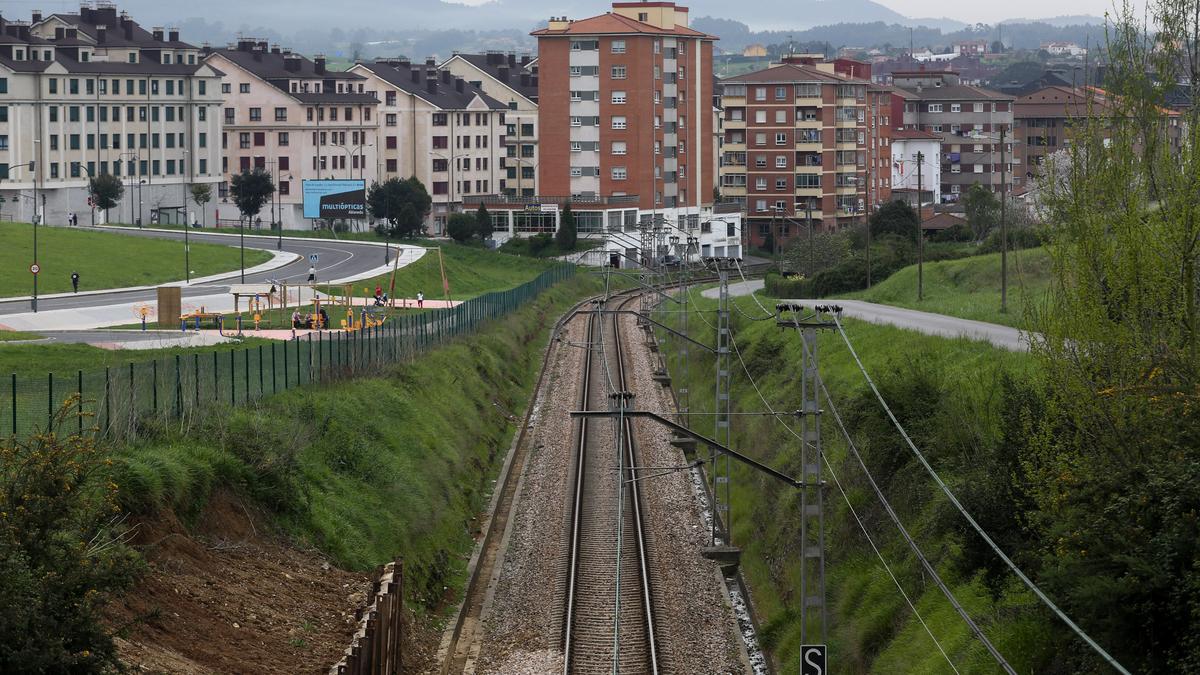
(331, 199)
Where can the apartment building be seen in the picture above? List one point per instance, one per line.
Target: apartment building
(94, 93)
(916, 166)
(295, 118)
(437, 127)
(512, 80)
(969, 120)
(797, 143)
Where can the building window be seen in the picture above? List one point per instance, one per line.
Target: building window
(618, 122)
(760, 184)
(934, 108)
(780, 161)
(390, 120)
(760, 116)
(281, 114)
(781, 139)
(618, 46)
(781, 117)
(618, 72)
(780, 93)
(283, 139)
(760, 139)
(439, 119)
(780, 184)
(760, 93)
(619, 173)
(977, 107)
(955, 107)
(255, 114)
(244, 88)
(618, 97)
(619, 148)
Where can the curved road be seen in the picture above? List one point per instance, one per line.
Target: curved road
(337, 260)
(1004, 337)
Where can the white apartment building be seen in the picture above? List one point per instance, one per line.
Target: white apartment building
(907, 146)
(513, 81)
(94, 93)
(437, 127)
(294, 118)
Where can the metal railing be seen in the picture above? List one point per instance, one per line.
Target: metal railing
(375, 648)
(116, 401)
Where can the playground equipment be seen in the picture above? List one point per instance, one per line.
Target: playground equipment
(143, 312)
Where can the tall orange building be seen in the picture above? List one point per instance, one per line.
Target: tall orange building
(625, 107)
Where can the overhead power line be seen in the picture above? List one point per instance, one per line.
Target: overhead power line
(974, 525)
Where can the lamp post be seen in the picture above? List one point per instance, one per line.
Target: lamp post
(130, 173)
(1003, 139)
(520, 177)
(449, 183)
(32, 166)
(187, 249)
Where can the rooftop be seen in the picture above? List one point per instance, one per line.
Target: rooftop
(517, 73)
(426, 81)
(616, 24)
(790, 72)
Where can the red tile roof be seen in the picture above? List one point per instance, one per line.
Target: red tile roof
(790, 72)
(914, 134)
(616, 24)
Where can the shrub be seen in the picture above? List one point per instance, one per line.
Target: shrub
(959, 232)
(1018, 238)
(61, 554)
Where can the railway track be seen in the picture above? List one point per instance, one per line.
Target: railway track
(608, 617)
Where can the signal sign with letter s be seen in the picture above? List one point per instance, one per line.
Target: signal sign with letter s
(812, 660)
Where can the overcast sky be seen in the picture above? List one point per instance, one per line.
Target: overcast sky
(974, 11)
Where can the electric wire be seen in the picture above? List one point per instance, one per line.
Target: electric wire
(974, 525)
(861, 525)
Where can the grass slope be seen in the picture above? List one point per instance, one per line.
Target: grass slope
(103, 259)
(369, 469)
(969, 288)
(871, 628)
(471, 271)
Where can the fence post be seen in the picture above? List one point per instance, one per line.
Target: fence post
(262, 391)
(132, 394)
(50, 403)
(14, 403)
(216, 377)
(196, 371)
(80, 387)
(232, 379)
(297, 362)
(178, 390)
(155, 387)
(310, 359)
(107, 402)
(285, 367)
(274, 370)
(246, 376)
(321, 356)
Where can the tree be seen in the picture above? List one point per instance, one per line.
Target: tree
(828, 250)
(250, 191)
(461, 227)
(403, 205)
(483, 223)
(983, 210)
(201, 195)
(106, 191)
(895, 217)
(566, 235)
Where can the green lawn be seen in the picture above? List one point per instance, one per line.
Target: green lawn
(103, 259)
(34, 361)
(969, 287)
(17, 336)
(471, 271)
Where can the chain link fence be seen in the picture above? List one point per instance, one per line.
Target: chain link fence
(112, 402)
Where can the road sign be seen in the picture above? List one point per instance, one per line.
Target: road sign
(812, 660)
(313, 258)
(35, 268)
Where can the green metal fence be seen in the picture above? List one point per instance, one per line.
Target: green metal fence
(114, 401)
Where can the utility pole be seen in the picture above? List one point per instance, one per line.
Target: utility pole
(1003, 223)
(721, 410)
(812, 496)
(808, 218)
(920, 232)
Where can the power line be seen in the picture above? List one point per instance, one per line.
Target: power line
(887, 506)
(979, 530)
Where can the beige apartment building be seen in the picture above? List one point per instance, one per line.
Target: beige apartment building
(512, 80)
(435, 126)
(294, 118)
(94, 93)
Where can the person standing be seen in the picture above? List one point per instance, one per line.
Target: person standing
(420, 300)
(75, 281)
(312, 274)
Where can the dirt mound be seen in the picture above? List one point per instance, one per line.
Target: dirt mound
(226, 597)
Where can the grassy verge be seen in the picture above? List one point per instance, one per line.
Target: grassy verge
(470, 270)
(949, 394)
(529, 246)
(34, 361)
(969, 288)
(17, 336)
(365, 235)
(369, 469)
(103, 259)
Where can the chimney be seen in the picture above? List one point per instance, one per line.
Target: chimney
(431, 84)
(405, 63)
(503, 73)
(524, 79)
(512, 60)
(101, 34)
(37, 16)
(460, 85)
(263, 46)
(291, 62)
(416, 76)
(244, 45)
(127, 27)
(173, 35)
(446, 77)
(276, 50)
(85, 12)
(319, 64)
(524, 60)
(124, 18)
(158, 33)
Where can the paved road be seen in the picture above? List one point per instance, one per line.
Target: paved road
(337, 260)
(941, 325)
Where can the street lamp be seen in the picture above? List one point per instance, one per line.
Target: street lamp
(1003, 210)
(187, 249)
(32, 166)
(449, 183)
(520, 177)
(130, 173)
